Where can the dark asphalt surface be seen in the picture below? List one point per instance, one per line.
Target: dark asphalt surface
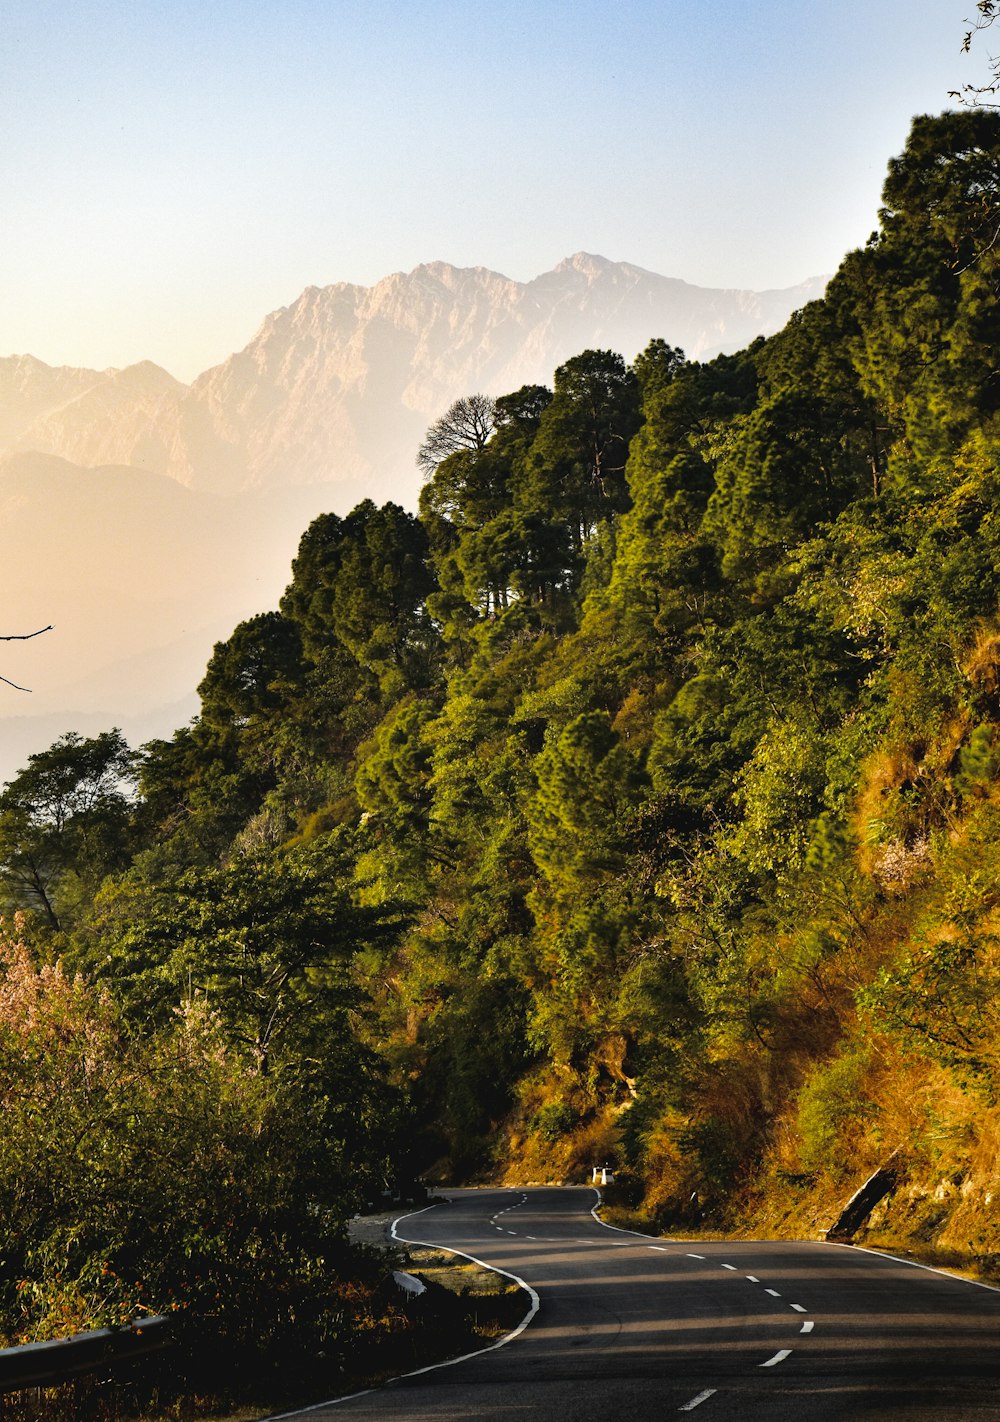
(634, 1328)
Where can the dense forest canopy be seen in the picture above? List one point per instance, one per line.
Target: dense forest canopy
(637, 800)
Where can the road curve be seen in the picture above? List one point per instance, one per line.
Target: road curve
(630, 1327)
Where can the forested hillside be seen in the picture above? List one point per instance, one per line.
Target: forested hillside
(638, 801)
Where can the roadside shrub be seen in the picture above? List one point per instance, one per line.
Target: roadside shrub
(834, 1109)
(554, 1121)
(161, 1173)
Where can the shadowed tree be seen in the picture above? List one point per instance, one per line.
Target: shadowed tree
(467, 509)
(249, 674)
(574, 475)
(266, 940)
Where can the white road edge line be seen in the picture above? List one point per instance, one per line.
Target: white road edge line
(697, 1401)
(882, 1254)
(808, 1326)
(860, 1249)
(638, 1233)
(449, 1362)
(319, 1406)
(779, 1357)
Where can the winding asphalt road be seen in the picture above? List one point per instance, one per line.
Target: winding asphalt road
(635, 1328)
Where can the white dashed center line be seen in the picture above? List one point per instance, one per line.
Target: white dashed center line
(773, 1292)
(798, 1308)
(696, 1256)
(779, 1357)
(807, 1327)
(730, 1266)
(697, 1401)
(753, 1279)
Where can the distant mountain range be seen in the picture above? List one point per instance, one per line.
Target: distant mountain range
(144, 517)
(340, 386)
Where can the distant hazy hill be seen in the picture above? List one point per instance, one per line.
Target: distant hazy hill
(340, 386)
(140, 577)
(145, 517)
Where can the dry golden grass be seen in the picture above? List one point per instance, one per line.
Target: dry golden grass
(879, 812)
(982, 665)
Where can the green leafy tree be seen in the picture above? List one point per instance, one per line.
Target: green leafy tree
(666, 575)
(933, 274)
(65, 823)
(574, 476)
(265, 940)
(362, 581)
(253, 672)
(586, 782)
(477, 541)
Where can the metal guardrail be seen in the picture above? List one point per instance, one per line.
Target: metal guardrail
(62, 1359)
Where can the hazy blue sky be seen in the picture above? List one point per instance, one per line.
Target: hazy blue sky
(174, 169)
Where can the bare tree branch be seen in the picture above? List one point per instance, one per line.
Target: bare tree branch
(21, 637)
(466, 424)
(975, 94)
(25, 636)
